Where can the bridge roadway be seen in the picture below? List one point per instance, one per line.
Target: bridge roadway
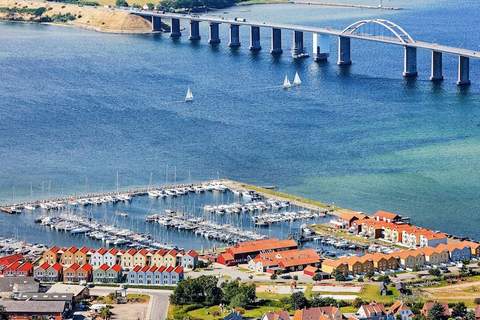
(318, 30)
(398, 37)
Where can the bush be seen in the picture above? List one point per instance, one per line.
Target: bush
(435, 272)
(121, 3)
(273, 276)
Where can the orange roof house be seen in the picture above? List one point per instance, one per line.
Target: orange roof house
(386, 216)
(241, 252)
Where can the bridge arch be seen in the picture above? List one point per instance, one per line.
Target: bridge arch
(395, 29)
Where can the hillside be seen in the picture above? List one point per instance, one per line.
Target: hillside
(95, 18)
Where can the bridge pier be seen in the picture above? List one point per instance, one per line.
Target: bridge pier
(156, 24)
(234, 36)
(319, 53)
(463, 71)
(194, 30)
(175, 29)
(276, 41)
(214, 34)
(298, 50)
(410, 62)
(344, 51)
(255, 38)
(436, 72)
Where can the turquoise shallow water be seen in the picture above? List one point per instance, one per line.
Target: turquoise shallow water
(76, 106)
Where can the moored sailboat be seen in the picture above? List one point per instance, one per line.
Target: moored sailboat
(189, 95)
(286, 83)
(297, 81)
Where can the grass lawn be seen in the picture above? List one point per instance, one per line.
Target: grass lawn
(348, 309)
(138, 297)
(208, 313)
(371, 292)
(271, 296)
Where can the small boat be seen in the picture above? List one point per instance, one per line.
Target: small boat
(286, 83)
(296, 80)
(189, 96)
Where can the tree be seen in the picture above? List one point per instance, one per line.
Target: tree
(121, 3)
(239, 300)
(202, 290)
(435, 272)
(150, 6)
(464, 271)
(357, 303)
(459, 310)
(398, 316)
(323, 302)
(437, 312)
(339, 276)
(298, 300)
(273, 276)
(105, 312)
(470, 315)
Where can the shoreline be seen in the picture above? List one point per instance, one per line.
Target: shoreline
(316, 3)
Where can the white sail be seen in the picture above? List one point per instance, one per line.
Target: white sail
(296, 80)
(286, 83)
(189, 96)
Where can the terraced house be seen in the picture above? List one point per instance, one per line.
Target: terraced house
(48, 273)
(107, 274)
(152, 275)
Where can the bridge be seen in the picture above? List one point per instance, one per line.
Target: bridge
(367, 30)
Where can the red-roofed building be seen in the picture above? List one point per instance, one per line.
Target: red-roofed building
(386, 216)
(289, 260)
(48, 273)
(153, 275)
(320, 313)
(244, 251)
(310, 271)
(70, 273)
(52, 255)
(18, 269)
(372, 311)
(276, 315)
(190, 259)
(8, 260)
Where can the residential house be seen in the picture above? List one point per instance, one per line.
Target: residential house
(111, 257)
(82, 256)
(387, 216)
(176, 275)
(189, 259)
(97, 257)
(85, 273)
(349, 220)
(276, 315)
(99, 274)
(244, 251)
(18, 269)
(458, 250)
(70, 273)
(331, 266)
(400, 310)
(48, 273)
(127, 260)
(52, 255)
(68, 256)
(289, 260)
(319, 313)
(55, 310)
(157, 257)
(170, 258)
(410, 258)
(435, 256)
(114, 274)
(9, 260)
(428, 238)
(373, 311)
(427, 306)
(142, 258)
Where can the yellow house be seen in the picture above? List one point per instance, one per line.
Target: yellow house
(158, 257)
(140, 258)
(330, 266)
(81, 256)
(170, 258)
(127, 260)
(411, 258)
(68, 256)
(52, 255)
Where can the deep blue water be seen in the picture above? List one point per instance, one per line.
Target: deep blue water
(78, 106)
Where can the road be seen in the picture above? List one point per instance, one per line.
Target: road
(157, 306)
(326, 31)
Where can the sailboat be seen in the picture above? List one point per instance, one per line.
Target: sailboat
(296, 80)
(286, 83)
(189, 96)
